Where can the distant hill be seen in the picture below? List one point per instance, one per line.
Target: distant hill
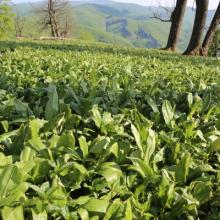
(114, 22)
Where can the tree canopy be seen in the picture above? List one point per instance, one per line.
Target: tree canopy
(6, 18)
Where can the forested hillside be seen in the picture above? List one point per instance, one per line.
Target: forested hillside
(113, 22)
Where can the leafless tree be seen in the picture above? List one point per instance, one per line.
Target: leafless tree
(164, 14)
(19, 25)
(57, 16)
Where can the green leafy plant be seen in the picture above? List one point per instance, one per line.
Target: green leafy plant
(92, 132)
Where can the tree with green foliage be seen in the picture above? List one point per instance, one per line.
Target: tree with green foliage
(6, 18)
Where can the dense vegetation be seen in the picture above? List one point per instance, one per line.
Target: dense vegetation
(6, 19)
(95, 132)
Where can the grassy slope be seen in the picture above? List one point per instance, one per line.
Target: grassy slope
(136, 16)
(94, 16)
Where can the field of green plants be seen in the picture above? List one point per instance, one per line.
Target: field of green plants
(95, 132)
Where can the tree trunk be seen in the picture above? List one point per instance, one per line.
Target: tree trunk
(53, 19)
(211, 33)
(199, 27)
(50, 9)
(177, 20)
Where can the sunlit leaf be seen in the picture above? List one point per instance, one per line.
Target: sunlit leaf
(52, 107)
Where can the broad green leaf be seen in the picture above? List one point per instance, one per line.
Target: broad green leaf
(19, 140)
(67, 140)
(166, 189)
(137, 137)
(54, 123)
(100, 145)
(8, 135)
(190, 99)
(10, 177)
(128, 211)
(96, 116)
(84, 146)
(164, 183)
(215, 145)
(197, 106)
(84, 215)
(5, 160)
(114, 149)
(168, 112)
(73, 173)
(147, 205)
(80, 167)
(141, 167)
(152, 104)
(159, 156)
(80, 201)
(15, 196)
(96, 205)
(5, 125)
(35, 140)
(12, 213)
(113, 208)
(182, 169)
(41, 169)
(202, 192)
(53, 141)
(39, 215)
(150, 146)
(170, 195)
(57, 193)
(27, 154)
(110, 171)
(37, 144)
(148, 216)
(35, 126)
(200, 135)
(52, 106)
(22, 109)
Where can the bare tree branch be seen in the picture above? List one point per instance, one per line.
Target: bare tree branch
(19, 25)
(164, 18)
(159, 17)
(56, 15)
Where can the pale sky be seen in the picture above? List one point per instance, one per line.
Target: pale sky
(212, 3)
